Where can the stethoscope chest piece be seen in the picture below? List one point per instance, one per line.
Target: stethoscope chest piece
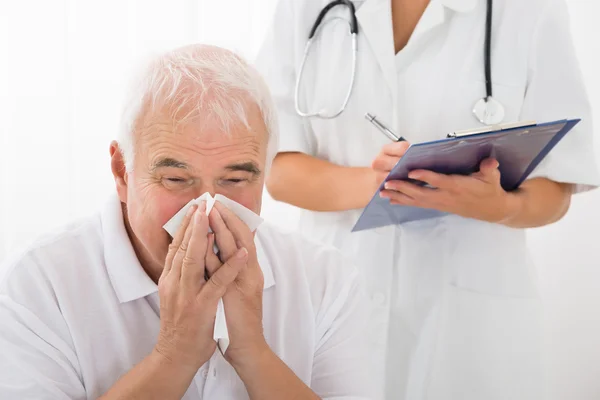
(489, 111)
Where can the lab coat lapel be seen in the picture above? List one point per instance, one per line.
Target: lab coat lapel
(375, 23)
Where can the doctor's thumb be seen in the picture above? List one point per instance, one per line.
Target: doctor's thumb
(489, 164)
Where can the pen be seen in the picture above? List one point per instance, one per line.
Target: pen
(383, 129)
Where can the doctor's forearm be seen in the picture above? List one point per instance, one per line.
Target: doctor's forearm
(537, 203)
(313, 184)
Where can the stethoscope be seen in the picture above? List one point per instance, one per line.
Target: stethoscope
(487, 110)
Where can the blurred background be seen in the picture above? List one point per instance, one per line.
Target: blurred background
(64, 68)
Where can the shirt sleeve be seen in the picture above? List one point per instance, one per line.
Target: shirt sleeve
(277, 61)
(38, 360)
(342, 361)
(556, 90)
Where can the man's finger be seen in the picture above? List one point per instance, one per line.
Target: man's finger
(212, 261)
(179, 235)
(182, 249)
(192, 269)
(216, 286)
(241, 233)
(223, 236)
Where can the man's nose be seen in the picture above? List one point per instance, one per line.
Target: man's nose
(203, 188)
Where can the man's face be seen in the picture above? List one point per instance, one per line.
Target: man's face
(175, 165)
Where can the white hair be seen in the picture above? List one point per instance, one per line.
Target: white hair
(198, 79)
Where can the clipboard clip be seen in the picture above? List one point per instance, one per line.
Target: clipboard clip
(491, 128)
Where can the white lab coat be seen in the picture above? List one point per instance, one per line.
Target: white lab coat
(456, 309)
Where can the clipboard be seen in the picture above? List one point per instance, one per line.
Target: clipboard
(519, 149)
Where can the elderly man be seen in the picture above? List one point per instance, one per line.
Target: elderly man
(115, 308)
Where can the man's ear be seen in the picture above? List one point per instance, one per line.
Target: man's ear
(119, 171)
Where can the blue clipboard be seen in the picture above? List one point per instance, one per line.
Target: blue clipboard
(519, 148)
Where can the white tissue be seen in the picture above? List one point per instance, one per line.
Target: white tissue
(220, 334)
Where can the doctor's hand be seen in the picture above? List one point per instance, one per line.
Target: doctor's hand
(389, 156)
(243, 299)
(188, 303)
(479, 195)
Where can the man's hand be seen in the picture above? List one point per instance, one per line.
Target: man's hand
(479, 196)
(188, 303)
(264, 374)
(243, 299)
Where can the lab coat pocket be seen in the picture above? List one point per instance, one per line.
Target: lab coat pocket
(488, 347)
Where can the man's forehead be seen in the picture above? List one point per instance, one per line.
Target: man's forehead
(191, 150)
(208, 132)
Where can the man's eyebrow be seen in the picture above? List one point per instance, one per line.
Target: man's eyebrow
(169, 163)
(244, 167)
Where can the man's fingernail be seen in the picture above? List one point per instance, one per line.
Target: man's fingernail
(191, 210)
(242, 253)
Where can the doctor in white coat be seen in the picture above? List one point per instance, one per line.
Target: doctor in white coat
(456, 308)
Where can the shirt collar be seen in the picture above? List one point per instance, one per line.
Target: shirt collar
(263, 260)
(455, 5)
(460, 5)
(435, 15)
(128, 278)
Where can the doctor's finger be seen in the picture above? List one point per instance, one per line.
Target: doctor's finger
(396, 149)
(192, 268)
(397, 198)
(441, 181)
(178, 239)
(384, 162)
(223, 236)
(489, 168)
(408, 189)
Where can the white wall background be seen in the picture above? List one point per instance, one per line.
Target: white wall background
(568, 253)
(63, 67)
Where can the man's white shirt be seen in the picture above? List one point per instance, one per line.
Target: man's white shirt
(77, 312)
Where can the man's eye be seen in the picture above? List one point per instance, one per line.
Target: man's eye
(234, 181)
(174, 182)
